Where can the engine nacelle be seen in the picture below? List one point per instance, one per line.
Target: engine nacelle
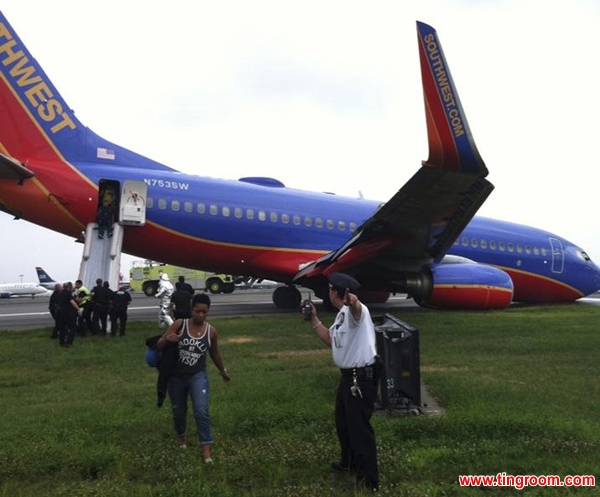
(372, 297)
(468, 286)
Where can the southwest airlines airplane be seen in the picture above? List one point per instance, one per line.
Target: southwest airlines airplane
(424, 241)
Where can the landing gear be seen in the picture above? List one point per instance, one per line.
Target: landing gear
(287, 297)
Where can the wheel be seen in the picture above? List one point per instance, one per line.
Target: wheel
(150, 288)
(214, 286)
(287, 297)
(228, 288)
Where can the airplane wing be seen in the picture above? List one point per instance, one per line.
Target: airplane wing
(420, 223)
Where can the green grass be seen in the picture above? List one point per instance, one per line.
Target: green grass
(520, 389)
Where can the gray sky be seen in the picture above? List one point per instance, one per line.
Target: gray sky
(325, 95)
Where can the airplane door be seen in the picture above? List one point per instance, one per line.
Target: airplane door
(557, 255)
(133, 203)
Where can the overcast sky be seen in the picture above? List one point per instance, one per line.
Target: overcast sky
(325, 95)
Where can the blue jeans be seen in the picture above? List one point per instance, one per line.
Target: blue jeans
(197, 389)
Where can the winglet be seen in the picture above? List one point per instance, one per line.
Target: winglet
(451, 145)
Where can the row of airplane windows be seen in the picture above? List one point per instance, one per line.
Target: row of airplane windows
(501, 246)
(260, 215)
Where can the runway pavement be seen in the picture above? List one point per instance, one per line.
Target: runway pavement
(25, 313)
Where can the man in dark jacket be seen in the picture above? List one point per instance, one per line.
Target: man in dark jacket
(181, 302)
(101, 295)
(52, 307)
(118, 311)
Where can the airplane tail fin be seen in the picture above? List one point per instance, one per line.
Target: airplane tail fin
(37, 124)
(451, 145)
(44, 278)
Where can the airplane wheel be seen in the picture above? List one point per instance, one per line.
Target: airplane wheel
(287, 297)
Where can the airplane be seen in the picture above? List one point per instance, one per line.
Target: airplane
(425, 241)
(45, 279)
(8, 290)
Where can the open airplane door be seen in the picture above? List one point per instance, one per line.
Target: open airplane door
(133, 203)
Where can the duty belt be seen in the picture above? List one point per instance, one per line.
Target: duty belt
(367, 371)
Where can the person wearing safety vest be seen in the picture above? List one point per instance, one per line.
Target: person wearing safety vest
(84, 300)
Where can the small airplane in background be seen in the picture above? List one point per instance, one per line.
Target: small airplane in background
(425, 241)
(8, 290)
(45, 279)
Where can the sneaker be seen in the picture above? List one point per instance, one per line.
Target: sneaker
(208, 460)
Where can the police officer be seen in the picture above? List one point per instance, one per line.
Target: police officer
(118, 311)
(352, 341)
(66, 315)
(84, 299)
(101, 295)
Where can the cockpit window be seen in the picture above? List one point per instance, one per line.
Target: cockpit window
(585, 256)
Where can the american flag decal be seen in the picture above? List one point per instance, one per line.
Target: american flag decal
(104, 153)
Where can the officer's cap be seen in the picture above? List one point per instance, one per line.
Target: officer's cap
(341, 280)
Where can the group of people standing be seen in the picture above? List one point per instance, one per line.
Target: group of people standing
(77, 310)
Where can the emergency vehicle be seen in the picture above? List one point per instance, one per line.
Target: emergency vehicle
(144, 276)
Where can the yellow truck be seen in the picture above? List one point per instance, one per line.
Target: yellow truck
(144, 276)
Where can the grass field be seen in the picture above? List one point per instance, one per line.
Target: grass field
(520, 389)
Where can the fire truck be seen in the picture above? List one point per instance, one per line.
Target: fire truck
(145, 274)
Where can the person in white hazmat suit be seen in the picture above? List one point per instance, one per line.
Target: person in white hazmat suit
(165, 290)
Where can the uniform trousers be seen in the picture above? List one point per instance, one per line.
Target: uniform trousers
(66, 321)
(354, 430)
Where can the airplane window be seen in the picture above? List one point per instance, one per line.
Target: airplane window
(319, 222)
(502, 246)
(527, 249)
(162, 204)
(511, 247)
(520, 248)
(237, 212)
(353, 226)
(262, 215)
(492, 245)
(330, 224)
(465, 241)
(536, 250)
(296, 220)
(342, 225)
(285, 218)
(483, 244)
(249, 214)
(149, 203)
(273, 217)
(187, 206)
(473, 243)
(585, 256)
(213, 209)
(308, 221)
(175, 205)
(201, 208)
(226, 211)
(544, 252)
